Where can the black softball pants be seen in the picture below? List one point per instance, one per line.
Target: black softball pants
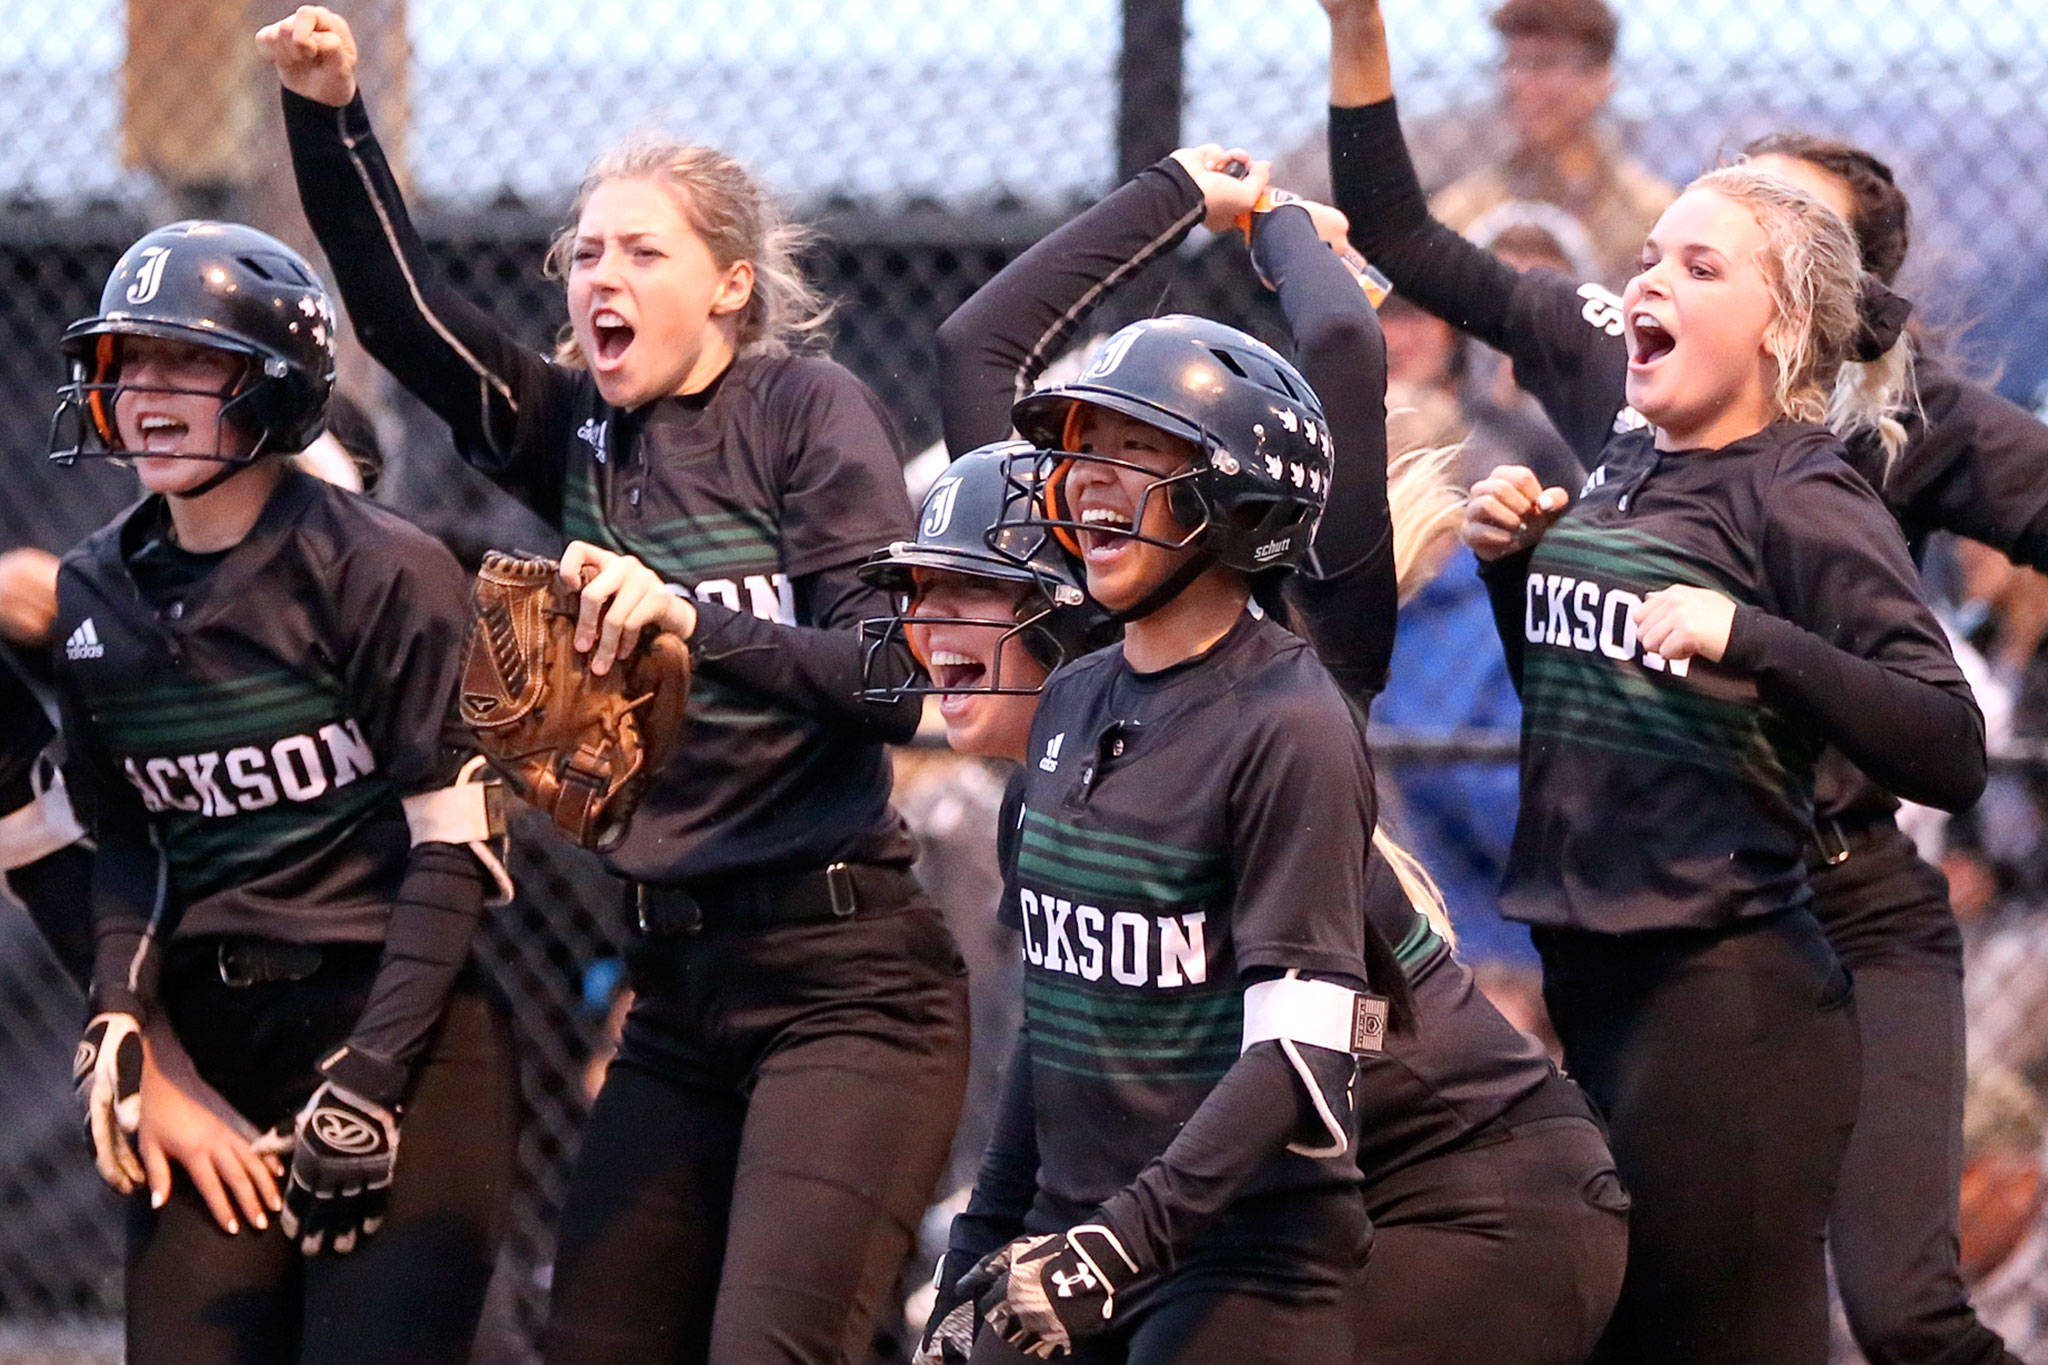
(1726, 1064)
(1508, 1249)
(1894, 1234)
(411, 1292)
(754, 1170)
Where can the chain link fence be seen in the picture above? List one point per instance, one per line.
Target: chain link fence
(929, 141)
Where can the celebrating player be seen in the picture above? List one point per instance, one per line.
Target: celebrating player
(1463, 1104)
(1720, 601)
(790, 1074)
(1945, 453)
(257, 674)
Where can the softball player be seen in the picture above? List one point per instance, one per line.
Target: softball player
(1485, 1176)
(1686, 638)
(1950, 455)
(756, 1165)
(256, 672)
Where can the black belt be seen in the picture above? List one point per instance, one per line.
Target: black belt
(834, 892)
(254, 961)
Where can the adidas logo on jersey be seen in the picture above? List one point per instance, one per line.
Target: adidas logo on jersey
(84, 643)
(592, 433)
(1051, 762)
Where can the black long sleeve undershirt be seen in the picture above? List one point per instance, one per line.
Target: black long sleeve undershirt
(994, 345)
(1259, 1107)
(1007, 1182)
(1349, 605)
(815, 669)
(497, 395)
(1565, 340)
(434, 917)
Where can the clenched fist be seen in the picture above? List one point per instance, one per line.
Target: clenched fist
(1509, 511)
(314, 53)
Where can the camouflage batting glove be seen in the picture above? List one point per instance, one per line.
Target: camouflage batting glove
(1043, 1294)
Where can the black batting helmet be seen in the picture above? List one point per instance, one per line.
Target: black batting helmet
(1053, 618)
(221, 285)
(1255, 492)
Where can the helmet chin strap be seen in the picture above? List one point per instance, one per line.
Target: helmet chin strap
(1168, 588)
(227, 471)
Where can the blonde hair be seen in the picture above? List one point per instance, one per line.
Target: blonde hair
(1814, 270)
(737, 221)
(1425, 505)
(1416, 883)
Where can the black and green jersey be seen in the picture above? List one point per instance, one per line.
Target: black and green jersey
(1178, 830)
(1660, 793)
(757, 497)
(263, 726)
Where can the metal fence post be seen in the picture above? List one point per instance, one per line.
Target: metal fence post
(1148, 74)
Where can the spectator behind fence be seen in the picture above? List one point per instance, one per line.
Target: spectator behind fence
(1556, 75)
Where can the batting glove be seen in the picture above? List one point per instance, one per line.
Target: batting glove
(107, 1074)
(949, 1333)
(343, 1151)
(1042, 1294)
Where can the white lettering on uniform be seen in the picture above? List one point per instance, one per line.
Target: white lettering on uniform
(245, 770)
(349, 751)
(1088, 928)
(1181, 954)
(1127, 942)
(1027, 906)
(304, 781)
(198, 770)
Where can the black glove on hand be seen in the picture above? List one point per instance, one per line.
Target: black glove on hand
(107, 1074)
(949, 1333)
(1042, 1294)
(343, 1150)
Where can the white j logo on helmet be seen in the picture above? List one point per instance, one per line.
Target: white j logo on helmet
(938, 507)
(149, 276)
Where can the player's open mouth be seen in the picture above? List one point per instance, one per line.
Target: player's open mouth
(952, 670)
(613, 334)
(1114, 537)
(162, 435)
(1649, 340)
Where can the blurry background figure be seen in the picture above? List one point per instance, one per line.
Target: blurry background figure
(1556, 75)
(2005, 1245)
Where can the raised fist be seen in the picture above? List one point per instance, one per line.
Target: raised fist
(314, 53)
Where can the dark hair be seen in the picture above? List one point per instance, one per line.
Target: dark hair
(1588, 21)
(1883, 220)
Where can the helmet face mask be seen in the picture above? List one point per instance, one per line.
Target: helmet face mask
(1262, 457)
(958, 536)
(222, 286)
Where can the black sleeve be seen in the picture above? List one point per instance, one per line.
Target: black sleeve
(507, 406)
(1565, 341)
(1258, 1107)
(434, 916)
(1301, 816)
(813, 667)
(407, 607)
(1856, 650)
(840, 484)
(1349, 602)
(1008, 1180)
(995, 344)
(1974, 464)
(129, 880)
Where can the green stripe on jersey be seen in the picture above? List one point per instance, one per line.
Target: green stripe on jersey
(210, 854)
(1127, 1035)
(1589, 698)
(1112, 865)
(1624, 556)
(682, 550)
(1418, 943)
